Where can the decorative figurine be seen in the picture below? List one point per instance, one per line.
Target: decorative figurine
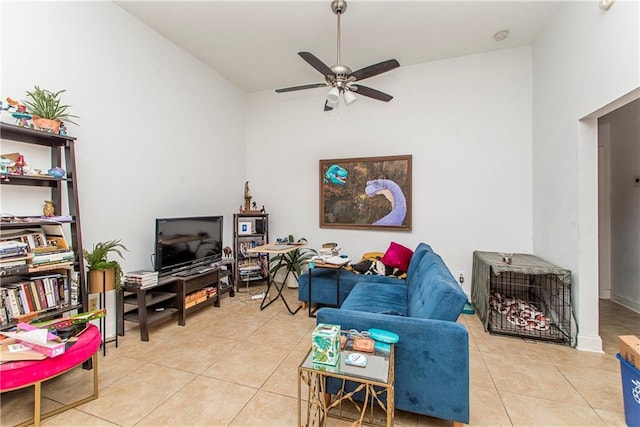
(247, 197)
(4, 165)
(56, 172)
(227, 251)
(48, 209)
(22, 116)
(263, 210)
(63, 129)
(18, 165)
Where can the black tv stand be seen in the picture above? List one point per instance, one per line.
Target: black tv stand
(172, 294)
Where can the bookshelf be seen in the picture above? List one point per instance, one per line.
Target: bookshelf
(48, 254)
(249, 231)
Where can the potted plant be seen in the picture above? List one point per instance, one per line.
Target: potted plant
(292, 261)
(47, 110)
(103, 273)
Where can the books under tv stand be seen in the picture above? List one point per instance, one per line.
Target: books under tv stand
(173, 294)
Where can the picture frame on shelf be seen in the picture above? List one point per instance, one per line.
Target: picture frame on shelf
(244, 227)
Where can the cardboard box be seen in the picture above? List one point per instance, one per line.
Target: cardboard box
(630, 349)
(50, 349)
(326, 344)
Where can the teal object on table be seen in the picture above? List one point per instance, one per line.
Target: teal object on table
(383, 336)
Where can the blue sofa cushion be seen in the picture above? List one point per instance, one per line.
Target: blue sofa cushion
(418, 254)
(377, 298)
(439, 297)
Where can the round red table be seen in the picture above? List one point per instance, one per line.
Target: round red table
(20, 374)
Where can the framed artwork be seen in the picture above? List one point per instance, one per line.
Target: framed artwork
(366, 193)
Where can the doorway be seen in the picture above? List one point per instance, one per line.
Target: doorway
(619, 219)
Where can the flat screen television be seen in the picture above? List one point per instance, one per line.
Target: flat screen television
(189, 242)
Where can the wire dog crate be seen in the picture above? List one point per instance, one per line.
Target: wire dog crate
(528, 298)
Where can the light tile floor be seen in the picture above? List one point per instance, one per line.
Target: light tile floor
(236, 366)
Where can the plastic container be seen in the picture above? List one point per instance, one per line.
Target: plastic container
(630, 392)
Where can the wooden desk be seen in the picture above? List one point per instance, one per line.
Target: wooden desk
(16, 375)
(277, 249)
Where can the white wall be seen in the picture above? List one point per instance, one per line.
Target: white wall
(585, 59)
(623, 126)
(467, 123)
(160, 134)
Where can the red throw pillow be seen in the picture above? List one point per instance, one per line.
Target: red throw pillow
(397, 256)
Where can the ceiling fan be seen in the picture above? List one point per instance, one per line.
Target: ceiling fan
(340, 77)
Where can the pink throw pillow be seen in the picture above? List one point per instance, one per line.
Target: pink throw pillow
(397, 256)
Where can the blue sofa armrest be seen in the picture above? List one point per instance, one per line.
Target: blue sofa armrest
(431, 360)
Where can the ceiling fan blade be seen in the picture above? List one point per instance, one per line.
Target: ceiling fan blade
(309, 86)
(375, 69)
(371, 93)
(316, 63)
(327, 107)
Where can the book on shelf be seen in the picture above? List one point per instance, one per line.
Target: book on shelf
(12, 262)
(13, 270)
(49, 266)
(141, 278)
(251, 267)
(141, 281)
(141, 274)
(74, 287)
(11, 249)
(51, 258)
(140, 285)
(38, 294)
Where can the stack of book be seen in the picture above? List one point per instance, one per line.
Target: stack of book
(141, 278)
(52, 256)
(13, 257)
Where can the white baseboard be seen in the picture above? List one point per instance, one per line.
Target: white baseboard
(625, 302)
(591, 343)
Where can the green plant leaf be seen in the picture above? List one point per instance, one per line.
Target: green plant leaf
(47, 105)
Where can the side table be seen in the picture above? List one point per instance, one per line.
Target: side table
(318, 264)
(376, 379)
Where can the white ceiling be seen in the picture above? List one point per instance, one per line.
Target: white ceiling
(254, 44)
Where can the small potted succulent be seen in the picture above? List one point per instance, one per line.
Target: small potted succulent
(47, 109)
(103, 273)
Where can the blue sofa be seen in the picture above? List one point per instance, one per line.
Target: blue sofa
(432, 356)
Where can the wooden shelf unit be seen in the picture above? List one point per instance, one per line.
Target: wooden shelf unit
(63, 193)
(258, 235)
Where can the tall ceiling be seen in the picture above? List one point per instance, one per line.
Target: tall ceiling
(254, 44)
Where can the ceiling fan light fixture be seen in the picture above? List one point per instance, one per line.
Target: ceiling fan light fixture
(349, 97)
(333, 97)
(339, 76)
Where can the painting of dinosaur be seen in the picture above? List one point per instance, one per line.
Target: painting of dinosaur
(336, 175)
(393, 193)
(366, 193)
